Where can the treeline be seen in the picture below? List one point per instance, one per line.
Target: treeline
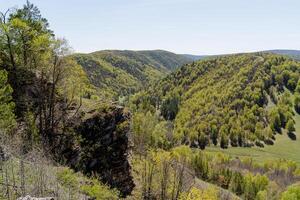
(238, 100)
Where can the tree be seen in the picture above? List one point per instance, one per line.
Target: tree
(297, 90)
(31, 53)
(201, 165)
(290, 126)
(7, 117)
(169, 107)
(25, 34)
(237, 183)
(203, 141)
(297, 102)
(182, 157)
(164, 165)
(275, 121)
(291, 84)
(233, 137)
(253, 185)
(143, 130)
(224, 141)
(292, 193)
(273, 92)
(196, 194)
(259, 131)
(214, 134)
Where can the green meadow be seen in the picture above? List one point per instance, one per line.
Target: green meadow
(283, 148)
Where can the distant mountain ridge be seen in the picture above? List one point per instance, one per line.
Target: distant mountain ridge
(121, 72)
(295, 54)
(194, 57)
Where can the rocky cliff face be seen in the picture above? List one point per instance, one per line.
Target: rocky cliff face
(95, 143)
(104, 147)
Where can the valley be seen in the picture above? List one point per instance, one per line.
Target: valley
(143, 124)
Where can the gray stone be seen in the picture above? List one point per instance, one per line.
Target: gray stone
(35, 198)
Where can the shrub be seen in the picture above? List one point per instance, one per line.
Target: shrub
(292, 193)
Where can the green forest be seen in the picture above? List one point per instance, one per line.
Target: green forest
(239, 100)
(143, 125)
(116, 74)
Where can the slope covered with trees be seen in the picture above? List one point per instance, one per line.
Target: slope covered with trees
(295, 54)
(43, 122)
(51, 124)
(224, 101)
(118, 73)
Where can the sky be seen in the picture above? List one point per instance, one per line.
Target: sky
(200, 27)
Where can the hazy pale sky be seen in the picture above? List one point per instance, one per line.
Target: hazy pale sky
(181, 26)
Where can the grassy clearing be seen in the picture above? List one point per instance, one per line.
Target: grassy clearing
(284, 148)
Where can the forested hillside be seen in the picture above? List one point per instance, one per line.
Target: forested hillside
(181, 130)
(118, 73)
(224, 101)
(239, 103)
(295, 54)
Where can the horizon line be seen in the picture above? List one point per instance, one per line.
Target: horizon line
(204, 54)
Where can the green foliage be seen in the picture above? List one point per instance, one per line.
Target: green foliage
(201, 165)
(254, 184)
(68, 178)
(237, 183)
(31, 133)
(290, 126)
(25, 35)
(99, 191)
(7, 117)
(297, 102)
(224, 141)
(261, 195)
(292, 193)
(240, 176)
(161, 174)
(226, 98)
(120, 73)
(149, 131)
(169, 107)
(93, 188)
(197, 194)
(275, 122)
(182, 154)
(48, 89)
(75, 83)
(36, 61)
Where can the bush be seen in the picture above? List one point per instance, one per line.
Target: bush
(290, 126)
(224, 141)
(99, 191)
(68, 178)
(7, 117)
(292, 193)
(196, 194)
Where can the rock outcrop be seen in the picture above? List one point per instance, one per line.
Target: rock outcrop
(104, 147)
(4, 156)
(35, 198)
